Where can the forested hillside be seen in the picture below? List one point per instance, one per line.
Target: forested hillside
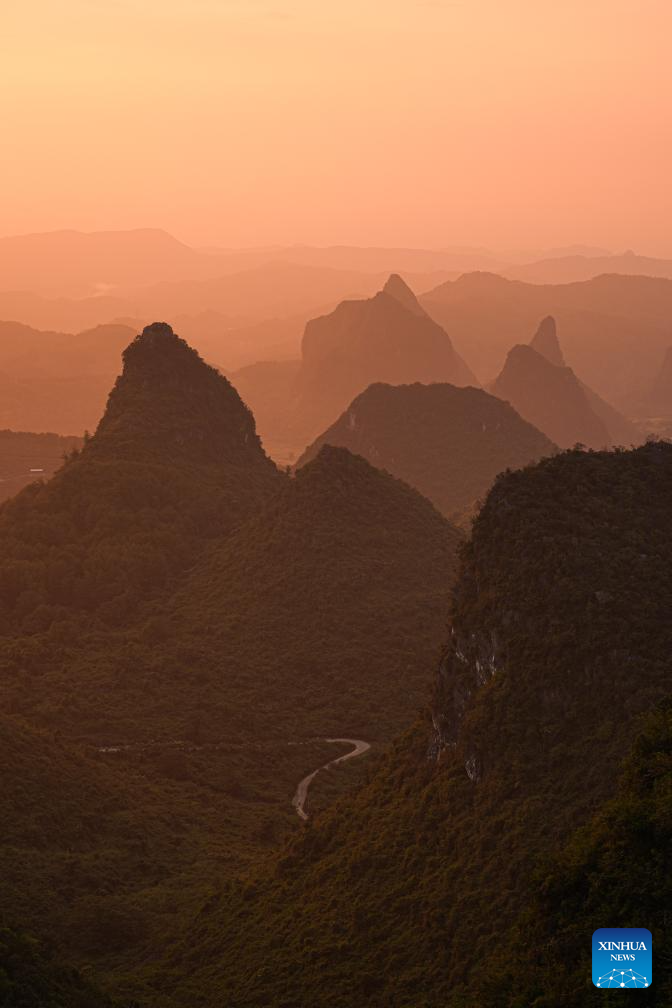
(174, 463)
(184, 629)
(446, 863)
(448, 442)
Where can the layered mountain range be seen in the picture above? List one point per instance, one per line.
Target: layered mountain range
(614, 328)
(387, 338)
(448, 442)
(538, 383)
(187, 630)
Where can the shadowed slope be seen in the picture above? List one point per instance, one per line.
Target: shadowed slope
(620, 430)
(551, 398)
(545, 341)
(175, 461)
(560, 642)
(333, 595)
(448, 442)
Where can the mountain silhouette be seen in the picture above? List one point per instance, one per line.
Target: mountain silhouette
(576, 268)
(386, 338)
(168, 404)
(545, 341)
(620, 430)
(550, 397)
(614, 328)
(448, 442)
(175, 461)
(77, 264)
(397, 288)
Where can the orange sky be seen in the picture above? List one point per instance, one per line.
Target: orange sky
(425, 122)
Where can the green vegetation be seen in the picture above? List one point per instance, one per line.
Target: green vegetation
(174, 463)
(30, 977)
(107, 855)
(617, 868)
(414, 891)
(184, 626)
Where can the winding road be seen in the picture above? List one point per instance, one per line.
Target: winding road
(301, 794)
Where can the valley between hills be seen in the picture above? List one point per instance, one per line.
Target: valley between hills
(474, 610)
(335, 504)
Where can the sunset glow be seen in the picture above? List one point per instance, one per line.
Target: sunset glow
(251, 122)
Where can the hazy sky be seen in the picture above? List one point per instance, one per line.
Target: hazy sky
(425, 122)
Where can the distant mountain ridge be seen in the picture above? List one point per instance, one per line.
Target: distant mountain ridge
(545, 341)
(448, 442)
(55, 381)
(80, 264)
(387, 338)
(573, 268)
(551, 397)
(614, 328)
(536, 380)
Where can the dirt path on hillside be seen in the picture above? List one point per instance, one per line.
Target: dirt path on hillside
(301, 794)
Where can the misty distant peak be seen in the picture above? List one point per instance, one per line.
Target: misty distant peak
(550, 397)
(397, 288)
(546, 342)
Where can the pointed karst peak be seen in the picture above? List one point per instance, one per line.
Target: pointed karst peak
(546, 342)
(156, 346)
(169, 403)
(397, 288)
(158, 333)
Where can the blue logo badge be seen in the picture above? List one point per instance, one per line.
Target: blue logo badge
(622, 957)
